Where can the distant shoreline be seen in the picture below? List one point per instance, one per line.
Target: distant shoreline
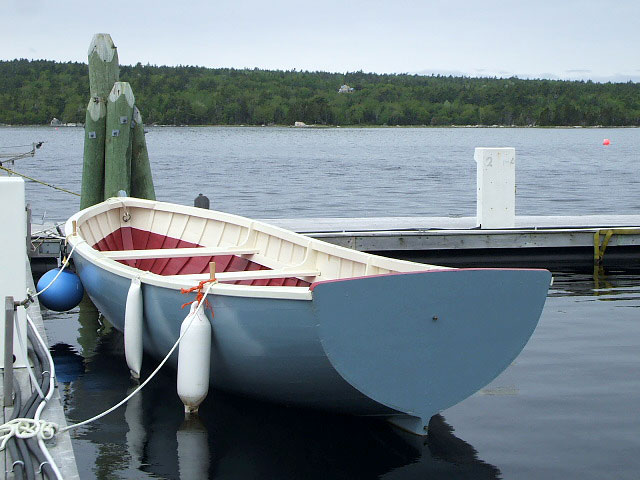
(35, 92)
(317, 127)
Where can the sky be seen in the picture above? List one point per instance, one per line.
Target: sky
(566, 39)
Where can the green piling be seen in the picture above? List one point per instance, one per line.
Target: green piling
(115, 150)
(117, 171)
(141, 178)
(93, 164)
(103, 65)
(103, 72)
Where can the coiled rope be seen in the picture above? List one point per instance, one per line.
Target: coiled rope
(44, 430)
(26, 428)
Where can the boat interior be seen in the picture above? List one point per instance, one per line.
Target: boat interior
(170, 242)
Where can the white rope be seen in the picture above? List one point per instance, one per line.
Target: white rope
(45, 430)
(153, 374)
(49, 429)
(64, 265)
(49, 231)
(35, 427)
(26, 428)
(36, 384)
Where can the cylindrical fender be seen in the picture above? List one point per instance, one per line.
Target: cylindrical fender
(133, 319)
(193, 359)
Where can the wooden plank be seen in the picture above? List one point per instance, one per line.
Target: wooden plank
(251, 275)
(178, 252)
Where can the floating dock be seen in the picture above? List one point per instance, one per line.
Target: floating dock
(61, 450)
(559, 243)
(55, 456)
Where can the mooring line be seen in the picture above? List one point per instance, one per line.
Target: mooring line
(38, 181)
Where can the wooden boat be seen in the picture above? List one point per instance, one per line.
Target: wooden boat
(301, 321)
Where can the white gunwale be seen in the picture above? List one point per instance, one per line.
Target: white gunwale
(313, 250)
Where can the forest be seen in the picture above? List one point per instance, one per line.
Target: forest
(33, 92)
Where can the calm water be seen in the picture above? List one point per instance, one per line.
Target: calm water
(286, 172)
(569, 406)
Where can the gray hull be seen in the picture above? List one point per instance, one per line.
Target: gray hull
(404, 346)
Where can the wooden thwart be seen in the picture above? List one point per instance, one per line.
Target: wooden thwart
(178, 252)
(250, 275)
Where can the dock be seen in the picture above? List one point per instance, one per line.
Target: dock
(495, 237)
(16, 279)
(559, 243)
(61, 449)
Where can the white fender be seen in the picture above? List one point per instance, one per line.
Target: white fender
(133, 328)
(194, 355)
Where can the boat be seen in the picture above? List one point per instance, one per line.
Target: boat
(296, 320)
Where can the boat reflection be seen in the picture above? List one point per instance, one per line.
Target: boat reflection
(236, 437)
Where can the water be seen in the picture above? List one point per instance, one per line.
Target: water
(287, 172)
(567, 408)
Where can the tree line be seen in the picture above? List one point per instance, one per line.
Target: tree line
(34, 92)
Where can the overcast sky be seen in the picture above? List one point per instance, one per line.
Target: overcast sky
(598, 40)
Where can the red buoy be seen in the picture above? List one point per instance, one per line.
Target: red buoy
(606, 141)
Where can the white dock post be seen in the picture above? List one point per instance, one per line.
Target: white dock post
(13, 260)
(496, 187)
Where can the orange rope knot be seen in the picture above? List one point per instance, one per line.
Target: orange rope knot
(198, 288)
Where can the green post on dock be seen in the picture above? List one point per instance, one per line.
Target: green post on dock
(117, 151)
(93, 164)
(104, 71)
(141, 178)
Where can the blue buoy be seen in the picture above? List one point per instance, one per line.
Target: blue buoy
(64, 294)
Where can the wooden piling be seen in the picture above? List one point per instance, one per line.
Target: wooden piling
(103, 72)
(93, 164)
(103, 65)
(117, 171)
(141, 178)
(115, 151)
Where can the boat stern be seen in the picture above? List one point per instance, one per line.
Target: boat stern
(422, 342)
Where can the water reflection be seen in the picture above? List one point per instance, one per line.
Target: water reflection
(90, 327)
(240, 438)
(602, 285)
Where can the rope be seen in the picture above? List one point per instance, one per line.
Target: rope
(19, 146)
(26, 428)
(12, 157)
(45, 430)
(199, 296)
(153, 374)
(38, 181)
(64, 265)
(34, 381)
(48, 232)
